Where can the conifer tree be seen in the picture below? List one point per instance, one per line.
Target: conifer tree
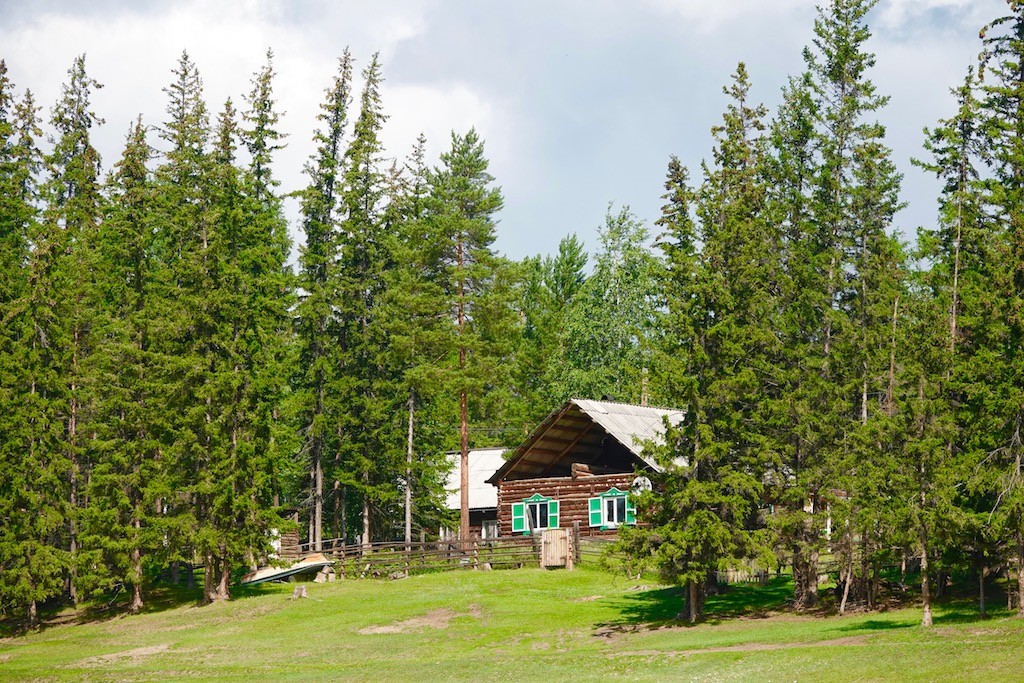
(461, 227)
(726, 297)
(31, 446)
(70, 221)
(365, 387)
(997, 406)
(318, 274)
(121, 530)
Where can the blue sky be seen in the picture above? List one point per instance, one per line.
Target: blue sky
(580, 102)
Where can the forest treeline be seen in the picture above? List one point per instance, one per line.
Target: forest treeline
(172, 388)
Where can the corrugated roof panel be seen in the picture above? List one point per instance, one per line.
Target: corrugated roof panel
(631, 425)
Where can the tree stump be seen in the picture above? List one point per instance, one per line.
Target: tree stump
(299, 592)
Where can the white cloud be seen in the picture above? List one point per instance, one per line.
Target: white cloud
(709, 16)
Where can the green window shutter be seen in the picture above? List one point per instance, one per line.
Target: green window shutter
(630, 511)
(518, 517)
(595, 512)
(552, 514)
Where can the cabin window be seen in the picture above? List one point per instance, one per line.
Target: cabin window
(534, 514)
(612, 509)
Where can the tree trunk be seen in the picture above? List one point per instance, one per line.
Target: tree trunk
(366, 522)
(224, 586)
(408, 472)
(318, 502)
(692, 605)
(33, 614)
(463, 404)
(1020, 577)
(344, 515)
(926, 595)
(209, 578)
(982, 571)
(136, 568)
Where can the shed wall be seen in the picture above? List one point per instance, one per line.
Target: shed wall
(572, 494)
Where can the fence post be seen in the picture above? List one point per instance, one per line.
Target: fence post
(476, 556)
(576, 540)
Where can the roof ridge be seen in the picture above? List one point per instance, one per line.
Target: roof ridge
(631, 405)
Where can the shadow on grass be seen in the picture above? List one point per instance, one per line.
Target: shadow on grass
(654, 608)
(159, 598)
(874, 625)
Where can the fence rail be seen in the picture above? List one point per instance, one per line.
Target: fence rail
(395, 559)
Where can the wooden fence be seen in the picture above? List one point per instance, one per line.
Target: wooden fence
(399, 559)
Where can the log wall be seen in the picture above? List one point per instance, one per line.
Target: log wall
(573, 496)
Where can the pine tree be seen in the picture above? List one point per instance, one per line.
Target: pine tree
(997, 405)
(120, 531)
(461, 227)
(70, 222)
(702, 514)
(950, 288)
(32, 472)
(364, 386)
(182, 311)
(318, 274)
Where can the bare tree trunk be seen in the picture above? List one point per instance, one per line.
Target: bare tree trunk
(464, 466)
(926, 594)
(73, 480)
(224, 586)
(692, 601)
(317, 537)
(209, 578)
(136, 566)
(1020, 577)
(408, 472)
(344, 515)
(33, 614)
(366, 522)
(463, 405)
(982, 572)
(337, 503)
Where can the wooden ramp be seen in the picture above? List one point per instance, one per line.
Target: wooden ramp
(309, 563)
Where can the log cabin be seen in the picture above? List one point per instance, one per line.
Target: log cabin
(580, 465)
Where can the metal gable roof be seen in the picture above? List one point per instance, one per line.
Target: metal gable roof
(631, 425)
(577, 429)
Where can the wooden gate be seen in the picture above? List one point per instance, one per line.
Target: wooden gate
(555, 551)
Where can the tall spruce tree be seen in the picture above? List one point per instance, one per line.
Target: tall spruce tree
(70, 221)
(121, 529)
(997, 402)
(315, 312)
(368, 447)
(951, 293)
(724, 303)
(32, 472)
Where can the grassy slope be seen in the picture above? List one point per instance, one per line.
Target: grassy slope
(523, 625)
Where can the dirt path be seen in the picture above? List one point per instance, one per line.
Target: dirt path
(438, 618)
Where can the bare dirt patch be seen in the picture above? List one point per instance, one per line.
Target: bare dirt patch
(133, 655)
(589, 598)
(745, 647)
(437, 619)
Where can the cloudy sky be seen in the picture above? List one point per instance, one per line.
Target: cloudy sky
(580, 102)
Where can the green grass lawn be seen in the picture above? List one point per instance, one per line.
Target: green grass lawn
(525, 625)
